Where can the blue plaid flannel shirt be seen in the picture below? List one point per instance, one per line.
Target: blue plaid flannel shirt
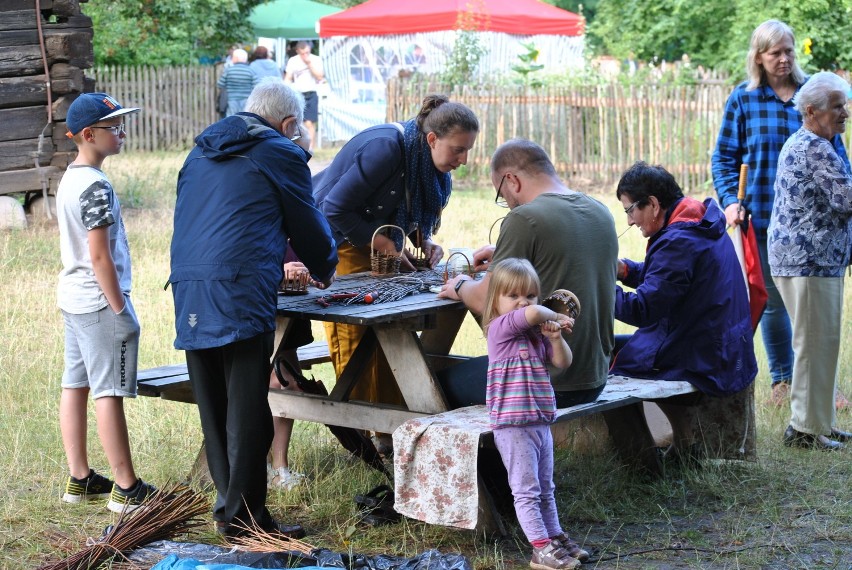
(754, 128)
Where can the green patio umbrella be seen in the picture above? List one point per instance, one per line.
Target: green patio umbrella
(292, 19)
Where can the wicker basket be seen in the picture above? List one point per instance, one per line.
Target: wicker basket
(491, 229)
(297, 286)
(383, 263)
(450, 272)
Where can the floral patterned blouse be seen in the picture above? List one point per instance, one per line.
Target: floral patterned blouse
(810, 234)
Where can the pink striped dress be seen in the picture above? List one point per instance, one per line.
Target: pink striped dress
(519, 392)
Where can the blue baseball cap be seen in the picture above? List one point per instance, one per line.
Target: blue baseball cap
(90, 108)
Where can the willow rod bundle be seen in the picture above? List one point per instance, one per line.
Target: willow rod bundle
(258, 540)
(168, 513)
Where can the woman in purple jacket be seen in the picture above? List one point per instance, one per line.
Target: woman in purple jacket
(690, 304)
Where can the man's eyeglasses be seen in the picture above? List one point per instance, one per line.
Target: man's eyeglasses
(298, 134)
(499, 200)
(114, 129)
(629, 210)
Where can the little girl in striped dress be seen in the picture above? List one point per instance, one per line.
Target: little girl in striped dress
(523, 337)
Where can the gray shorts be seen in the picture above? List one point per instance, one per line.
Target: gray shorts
(101, 349)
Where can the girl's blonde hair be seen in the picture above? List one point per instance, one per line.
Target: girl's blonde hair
(511, 274)
(763, 38)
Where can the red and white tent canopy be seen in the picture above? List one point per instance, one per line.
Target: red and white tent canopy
(386, 17)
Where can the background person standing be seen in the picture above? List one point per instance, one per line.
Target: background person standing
(759, 117)
(304, 71)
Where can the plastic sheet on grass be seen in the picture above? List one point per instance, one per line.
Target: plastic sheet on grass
(169, 555)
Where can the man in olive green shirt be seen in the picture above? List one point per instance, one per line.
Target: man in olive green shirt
(570, 239)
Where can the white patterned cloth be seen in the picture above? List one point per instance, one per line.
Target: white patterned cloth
(434, 462)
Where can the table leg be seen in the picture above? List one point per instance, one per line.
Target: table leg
(439, 340)
(632, 438)
(490, 522)
(282, 329)
(352, 372)
(408, 363)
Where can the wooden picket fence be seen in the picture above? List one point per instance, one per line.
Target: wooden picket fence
(177, 102)
(591, 132)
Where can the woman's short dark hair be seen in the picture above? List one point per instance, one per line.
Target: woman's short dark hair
(441, 116)
(641, 181)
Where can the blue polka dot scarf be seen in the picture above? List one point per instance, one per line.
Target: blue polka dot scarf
(427, 189)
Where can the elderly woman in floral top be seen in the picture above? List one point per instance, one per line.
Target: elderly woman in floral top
(809, 241)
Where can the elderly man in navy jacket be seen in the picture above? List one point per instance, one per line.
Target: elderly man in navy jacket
(243, 191)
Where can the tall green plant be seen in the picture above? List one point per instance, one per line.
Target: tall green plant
(468, 48)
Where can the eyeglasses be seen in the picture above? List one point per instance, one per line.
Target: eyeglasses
(114, 129)
(629, 210)
(499, 200)
(298, 134)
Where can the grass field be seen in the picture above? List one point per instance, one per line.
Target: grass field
(790, 509)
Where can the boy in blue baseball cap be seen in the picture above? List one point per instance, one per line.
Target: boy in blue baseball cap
(101, 328)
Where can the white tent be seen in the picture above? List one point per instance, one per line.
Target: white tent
(366, 45)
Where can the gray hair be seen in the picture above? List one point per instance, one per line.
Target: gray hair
(275, 101)
(239, 55)
(763, 38)
(818, 89)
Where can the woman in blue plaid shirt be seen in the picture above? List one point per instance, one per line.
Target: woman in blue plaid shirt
(759, 118)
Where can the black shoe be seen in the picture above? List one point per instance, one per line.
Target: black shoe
(794, 438)
(288, 530)
(94, 486)
(236, 530)
(840, 435)
(130, 499)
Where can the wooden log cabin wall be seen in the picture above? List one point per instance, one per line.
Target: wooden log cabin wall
(45, 46)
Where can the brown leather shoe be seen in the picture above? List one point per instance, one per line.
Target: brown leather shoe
(780, 395)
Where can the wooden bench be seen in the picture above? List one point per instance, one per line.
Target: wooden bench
(724, 427)
(171, 382)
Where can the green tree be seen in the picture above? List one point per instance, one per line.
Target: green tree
(715, 33)
(587, 8)
(162, 32)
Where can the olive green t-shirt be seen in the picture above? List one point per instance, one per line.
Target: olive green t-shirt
(570, 240)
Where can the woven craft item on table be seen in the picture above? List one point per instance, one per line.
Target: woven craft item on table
(563, 301)
(450, 271)
(384, 263)
(296, 286)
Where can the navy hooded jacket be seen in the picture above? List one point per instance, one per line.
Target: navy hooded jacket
(242, 192)
(690, 306)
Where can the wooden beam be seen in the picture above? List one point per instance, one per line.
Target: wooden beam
(72, 46)
(65, 78)
(18, 155)
(23, 60)
(26, 180)
(62, 7)
(15, 38)
(365, 416)
(19, 19)
(22, 123)
(23, 91)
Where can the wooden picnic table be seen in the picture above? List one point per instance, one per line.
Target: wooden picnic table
(393, 326)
